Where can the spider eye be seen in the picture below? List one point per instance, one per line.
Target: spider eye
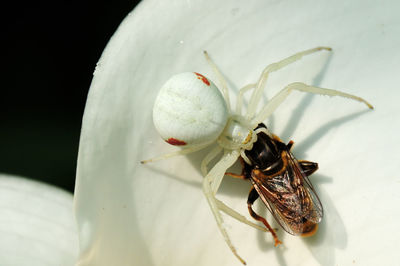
(189, 110)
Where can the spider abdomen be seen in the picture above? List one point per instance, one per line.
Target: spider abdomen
(190, 110)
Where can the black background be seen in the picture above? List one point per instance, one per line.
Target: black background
(49, 55)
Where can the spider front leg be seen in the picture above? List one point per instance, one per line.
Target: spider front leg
(283, 94)
(222, 81)
(215, 175)
(239, 99)
(215, 183)
(209, 157)
(256, 96)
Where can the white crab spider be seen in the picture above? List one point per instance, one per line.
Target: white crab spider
(191, 112)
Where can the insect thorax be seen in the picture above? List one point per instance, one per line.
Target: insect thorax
(266, 151)
(237, 134)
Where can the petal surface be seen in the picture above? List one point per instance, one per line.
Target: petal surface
(133, 214)
(36, 223)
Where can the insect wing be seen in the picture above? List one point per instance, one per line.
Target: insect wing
(316, 213)
(289, 196)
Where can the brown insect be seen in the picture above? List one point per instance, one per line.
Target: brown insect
(281, 181)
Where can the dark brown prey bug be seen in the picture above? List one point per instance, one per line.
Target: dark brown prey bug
(281, 181)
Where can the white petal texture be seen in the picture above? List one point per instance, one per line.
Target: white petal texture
(156, 214)
(36, 224)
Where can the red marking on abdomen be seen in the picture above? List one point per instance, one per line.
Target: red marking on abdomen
(202, 78)
(176, 142)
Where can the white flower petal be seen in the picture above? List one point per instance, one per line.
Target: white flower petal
(36, 223)
(130, 214)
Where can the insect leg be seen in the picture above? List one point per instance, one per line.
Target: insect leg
(253, 195)
(290, 145)
(221, 79)
(256, 96)
(175, 153)
(281, 96)
(308, 167)
(235, 175)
